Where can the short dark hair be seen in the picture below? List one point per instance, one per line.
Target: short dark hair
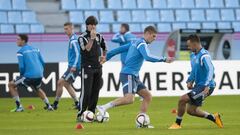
(68, 24)
(91, 20)
(126, 26)
(23, 37)
(150, 29)
(194, 38)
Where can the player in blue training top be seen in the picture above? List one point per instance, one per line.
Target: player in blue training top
(73, 70)
(31, 67)
(201, 84)
(124, 37)
(129, 76)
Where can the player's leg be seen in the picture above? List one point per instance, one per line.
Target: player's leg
(43, 96)
(59, 92)
(72, 93)
(14, 93)
(147, 98)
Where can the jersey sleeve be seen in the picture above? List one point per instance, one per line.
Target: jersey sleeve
(21, 63)
(206, 62)
(191, 77)
(76, 52)
(82, 42)
(118, 38)
(118, 50)
(41, 58)
(103, 43)
(143, 49)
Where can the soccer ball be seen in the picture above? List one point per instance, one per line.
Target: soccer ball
(87, 116)
(102, 118)
(142, 120)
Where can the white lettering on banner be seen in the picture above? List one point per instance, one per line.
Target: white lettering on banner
(5, 81)
(52, 76)
(167, 79)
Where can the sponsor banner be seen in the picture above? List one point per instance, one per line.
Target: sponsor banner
(164, 79)
(8, 72)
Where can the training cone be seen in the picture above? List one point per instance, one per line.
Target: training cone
(31, 107)
(79, 126)
(174, 111)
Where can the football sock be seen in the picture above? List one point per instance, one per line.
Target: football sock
(108, 105)
(209, 117)
(17, 101)
(46, 101)
(178, 120)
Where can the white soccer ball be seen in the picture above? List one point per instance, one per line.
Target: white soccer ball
(102, 118)
(87, 116)
(142, 120)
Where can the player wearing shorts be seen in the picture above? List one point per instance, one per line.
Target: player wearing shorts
(31, 67)
(201, 84)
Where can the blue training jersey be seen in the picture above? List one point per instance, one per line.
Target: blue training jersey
(123, 39)
(137, 53)
(31, 64)
(74, 57)
(202, 72)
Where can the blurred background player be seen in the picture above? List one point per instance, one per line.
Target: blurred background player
(31, 67)
(93, 53)
(124, 37)
(202, 75)
(129, 76)
(74, 60)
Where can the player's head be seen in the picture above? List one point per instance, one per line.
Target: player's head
(124, 28)
(150, 34)
(91, 23)
(68, 28)
(22, 39)
(193, 42)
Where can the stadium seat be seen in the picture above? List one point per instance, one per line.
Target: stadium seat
(124, 16)
(224, 25)
(19, 4)
(237, 14)
(167, 15)
(152, 16)
(22, 28)
(129, 4)
(5, 5)
(135, 27)
(144, 4)
(114, 4)
(202, 3)
(174, 3)
(193, 25)
(227, 15)
(176, 26)
(68, 4)
(208, 25)
(187, 3)
(97, 4)
(216, 3)
(106, 16)
(29, 17)
(144, 25)
(6, 28)
(197, 15)
(182, 15)
(14, 17)
(164, 27)
(3, 16)
(76, 17)
(103, 28)
(232, 3)
(80, 4)
(36, 28)
(138, 16)
(160, 4)
(212, 15)
(89, 13)
(236, 26)
(116, 28)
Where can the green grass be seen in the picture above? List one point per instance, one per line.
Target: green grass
(62, 121)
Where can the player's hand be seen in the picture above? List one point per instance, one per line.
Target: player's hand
(73, 69)
(93, 34)
(103, 59)
(189, 85)
(169, 59)
(206, 91)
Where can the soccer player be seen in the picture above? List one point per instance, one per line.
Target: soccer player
(73, 70)
(201, 82)
(124, 37)
(129, 75)
(31, 67)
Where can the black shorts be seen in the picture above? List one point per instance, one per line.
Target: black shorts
(197, 96)
(28, 82)
(70, 76)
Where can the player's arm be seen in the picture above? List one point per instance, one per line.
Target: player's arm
(117, 51)
(77, 54)
(21, 63)
(118, 38)
(206, 62)
(191, 77)
(41, 58)
(143, 49)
